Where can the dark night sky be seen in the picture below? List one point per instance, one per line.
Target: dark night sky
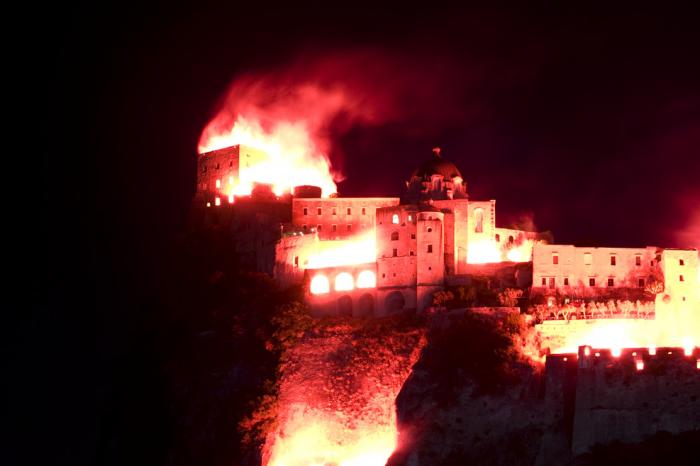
(587, 120)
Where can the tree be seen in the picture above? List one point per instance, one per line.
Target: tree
(509, 297)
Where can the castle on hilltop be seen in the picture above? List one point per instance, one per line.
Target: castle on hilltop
(374, 256)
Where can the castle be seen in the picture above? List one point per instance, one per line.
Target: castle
(374, 256)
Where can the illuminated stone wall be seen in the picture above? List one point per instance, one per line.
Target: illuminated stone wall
(635, 395)
(625, 266)
(681, 278)
(217, 165)
(358, 301)
(338, 217)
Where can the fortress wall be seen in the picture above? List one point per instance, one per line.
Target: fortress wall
(617, 402)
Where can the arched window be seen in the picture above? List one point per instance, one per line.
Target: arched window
(395, 219)
(366, 279)
(479, 220)
(319, 284)
(394, 235)
(344, 282)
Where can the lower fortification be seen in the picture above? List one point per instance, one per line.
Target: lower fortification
(600, 396)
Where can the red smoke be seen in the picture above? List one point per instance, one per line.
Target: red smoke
(322, 98)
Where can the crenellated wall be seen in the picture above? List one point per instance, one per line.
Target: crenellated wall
(597, 397)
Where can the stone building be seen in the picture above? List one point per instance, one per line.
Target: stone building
(595, 271)
(431, 237)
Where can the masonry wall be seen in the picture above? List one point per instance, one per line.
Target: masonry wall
(456, 225)
(292, 253)
(219, 165)
(565, 268)
(338, 217)
(356, 302)
(617, 402)
(397, 246)
(219, 170)
(430, 274)
(681, 278)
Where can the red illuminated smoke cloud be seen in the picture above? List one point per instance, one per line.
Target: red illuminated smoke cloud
(293, 113)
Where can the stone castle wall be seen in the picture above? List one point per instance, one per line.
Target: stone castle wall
(594, 397)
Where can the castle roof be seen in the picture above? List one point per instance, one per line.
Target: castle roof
(436, 165)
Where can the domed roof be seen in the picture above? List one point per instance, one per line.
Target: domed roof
(436, 165)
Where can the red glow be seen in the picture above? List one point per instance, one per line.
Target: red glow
(489, 251)
(360, 249)
(319, 284)
(344, 282)
(341, 413)
(366, 279)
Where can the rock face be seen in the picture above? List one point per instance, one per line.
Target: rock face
(472, 428)
(337, 392)
(574, 408)
(473, 398)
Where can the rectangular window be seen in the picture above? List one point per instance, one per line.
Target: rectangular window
(681, 262)
(587, 258)
(611, 282)
(334, 228)
(349, 228)
(552, 282)
(681, 278)
(306, 211)
(640, 283)
(218, 183)
(364, 212)
(498, 238)
(411, 253)
(296, 261)
(566, 281)
(349, 211)
(304, 227)
(318, 227)
(555, 259)
(613, 260)
(333, 210)
(413, 236)
(430, 249)
(638, 261)
(318, 211)
(591, 282)
(544, 281)
(395, 252)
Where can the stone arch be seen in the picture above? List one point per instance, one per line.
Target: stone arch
(365, 306)
(345, 306)
(394, 302)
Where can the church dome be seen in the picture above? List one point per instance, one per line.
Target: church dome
(436, 165)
